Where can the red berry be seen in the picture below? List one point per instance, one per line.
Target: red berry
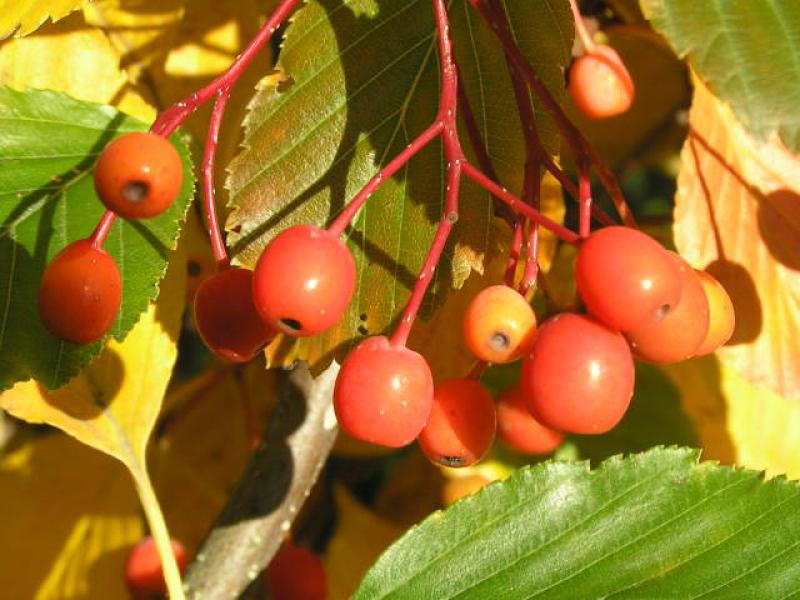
(226, 317)
(517, 427)
(679, 334)
(304, 280)
(499, 325)
(722, 318)
(138, 175)
(626, 279)
(383, 393)
(579, 375)
(600, 85)
(80, 293)
(143, 573)
(296, 573)
(462, 424)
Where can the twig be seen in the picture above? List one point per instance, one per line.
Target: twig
(281, 472)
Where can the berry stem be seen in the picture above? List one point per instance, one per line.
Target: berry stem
(518, 205)
(579, 146)
(209, 189)
(102, 229)
(351, 210)
(531, 195)
(584, 200)
(169, 120)
(580, 28)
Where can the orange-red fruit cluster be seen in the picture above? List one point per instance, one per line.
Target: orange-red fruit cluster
(144, 575)
(138, 175)
(600, 85)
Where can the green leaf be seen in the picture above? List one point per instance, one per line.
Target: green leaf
(361, 82)
(47, 201)
(746, 50)
(653, 525)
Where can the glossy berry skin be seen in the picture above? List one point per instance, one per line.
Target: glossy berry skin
(626, 279)
(383, 393)
(680, 333)
(303, 281)
(143, 573)
(80, 293)
(519, 430)
(138, 175)
(295, 573)
(226, 317)
(721, 317)
(499, 325)
(600, 85)
(461, 426)
(579, 375)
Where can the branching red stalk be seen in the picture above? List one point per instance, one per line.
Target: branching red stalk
(579, 146)
(209, 189)
(584, 200)
(531, 195)
(515, 250)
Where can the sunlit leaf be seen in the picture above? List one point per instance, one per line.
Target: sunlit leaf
(47, 200)
(746, 51)
(653, 525)
(20, 17)
(355, 93)
(738, 216)
(68, 515)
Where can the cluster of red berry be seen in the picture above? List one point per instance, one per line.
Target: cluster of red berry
(137, 176)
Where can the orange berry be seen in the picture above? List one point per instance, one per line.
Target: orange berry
(679, 334)
(144, 575)
(80, 293)
(721, 315)
(461, 426)
(600, 85)
(519, 430)
(295, 573)
(138, 175)
(499, 325)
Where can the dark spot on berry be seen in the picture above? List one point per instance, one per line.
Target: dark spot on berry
(663, 311)
(290, 325)
(500, 341)
(452, 461)
(136, 191)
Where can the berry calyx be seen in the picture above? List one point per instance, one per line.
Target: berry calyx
(679, 334)
(295, 573)
(383, 393)
(227, 318)
(579, 376)
(499, 325)
(80, 293)
(144, 574)
(138, 175)
(626, 279)
(721, 315)
(519, 430)
(461, 426)
(303, 281)
(599, 83)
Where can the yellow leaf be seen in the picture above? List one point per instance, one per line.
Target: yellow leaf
(738, 215)
(739, 423)
(360, 538)
(73, 58)
(68, 516)
(20, 17)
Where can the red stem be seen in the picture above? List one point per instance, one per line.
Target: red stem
(351, 210)
(579, 146)
(531, 195)
(209, 189)
(169, 120)
(518, 205)
(580, 28)
(100, 232)
(514, 251)
(584, 200)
